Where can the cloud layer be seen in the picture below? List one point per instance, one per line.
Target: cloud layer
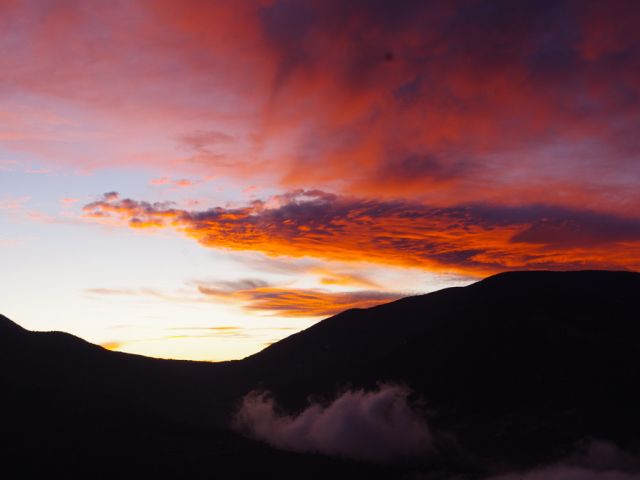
(454, 101)
(378, 426)
(472, 238)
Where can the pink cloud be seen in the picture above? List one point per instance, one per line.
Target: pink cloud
(183, 183)
(160, 181)
(450, 101)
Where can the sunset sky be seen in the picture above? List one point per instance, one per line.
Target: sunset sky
(194, 179)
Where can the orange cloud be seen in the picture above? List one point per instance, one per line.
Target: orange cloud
(329, 277)
(258, 295)
(112, 345)
(183, 183)
(298, 302)
(472, 239)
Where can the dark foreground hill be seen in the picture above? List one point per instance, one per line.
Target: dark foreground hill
(76, 410)
(514, 370)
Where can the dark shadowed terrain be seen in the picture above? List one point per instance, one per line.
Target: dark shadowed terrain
(511, 372)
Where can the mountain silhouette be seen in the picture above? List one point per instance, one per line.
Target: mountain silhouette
(74, 409)
(515, 369)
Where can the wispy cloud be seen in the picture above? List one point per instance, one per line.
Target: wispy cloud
(256, 295)
(178, 183)
(333, 277)
(13, 204)
(183, 296)
(297, 302)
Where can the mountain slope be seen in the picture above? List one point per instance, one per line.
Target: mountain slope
(518, 363)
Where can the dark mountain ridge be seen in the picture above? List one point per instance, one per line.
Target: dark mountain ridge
(516, 363)
(514, 369)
